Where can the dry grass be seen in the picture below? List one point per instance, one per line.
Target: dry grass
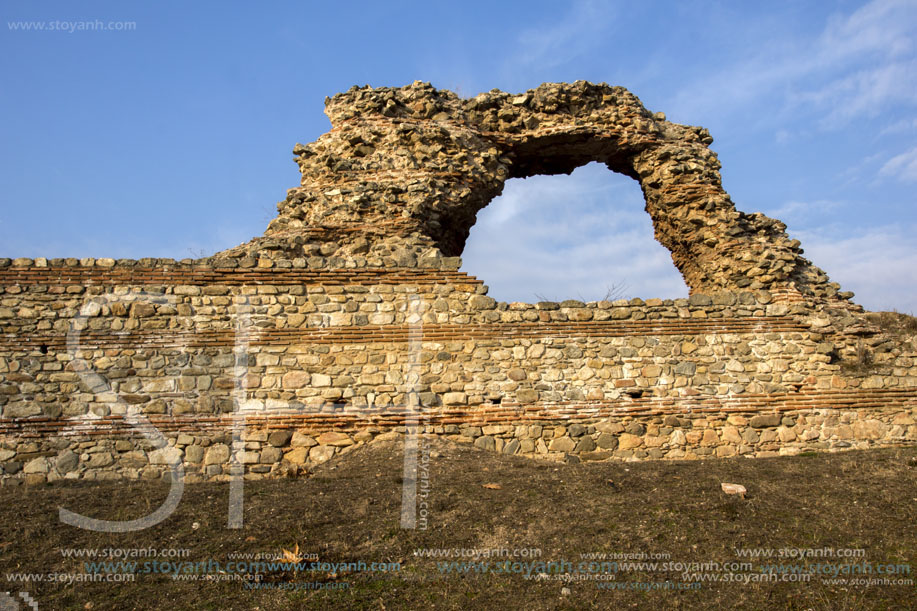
(894, 322)
(348, 511)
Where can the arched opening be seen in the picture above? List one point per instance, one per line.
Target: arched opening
(581, 236)
(428, 162)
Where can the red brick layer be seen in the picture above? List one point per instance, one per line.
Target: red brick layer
(350, 418)
(372, 334)
(188, 275)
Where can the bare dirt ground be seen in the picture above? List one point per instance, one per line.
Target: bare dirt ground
(517, 534)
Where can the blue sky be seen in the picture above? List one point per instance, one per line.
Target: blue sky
(173, 138)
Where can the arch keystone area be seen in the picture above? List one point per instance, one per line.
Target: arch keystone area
(400, 177)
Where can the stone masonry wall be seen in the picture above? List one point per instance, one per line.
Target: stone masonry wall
(349, 320)
(328, 360)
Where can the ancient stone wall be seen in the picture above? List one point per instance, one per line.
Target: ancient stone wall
(350, 321)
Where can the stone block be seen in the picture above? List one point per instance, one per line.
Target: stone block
(217, 454)
(562, 444)
(320, 454)
(764, 421)
(334, 438)
(455, 398)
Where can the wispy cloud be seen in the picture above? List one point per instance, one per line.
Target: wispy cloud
(805, 211)
(902, 126)
(866, 92)
(858, 65)
(563, 39)
(782, 136)
(885, 27)
(903, 166)
(879, 264)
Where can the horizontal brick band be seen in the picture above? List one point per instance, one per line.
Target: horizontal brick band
(188, 275)
(347, 418)
(369, 334)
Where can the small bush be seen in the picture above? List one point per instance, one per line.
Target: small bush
(894, 322)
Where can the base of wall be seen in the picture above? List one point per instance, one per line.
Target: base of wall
(264, 452)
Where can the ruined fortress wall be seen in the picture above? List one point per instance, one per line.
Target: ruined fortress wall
(349, 320)
(314, 362)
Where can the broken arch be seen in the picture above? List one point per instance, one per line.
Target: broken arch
(403, 173)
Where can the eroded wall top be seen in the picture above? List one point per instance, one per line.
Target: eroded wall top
(399, 180)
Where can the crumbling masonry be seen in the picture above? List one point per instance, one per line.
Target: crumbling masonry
(349, 319)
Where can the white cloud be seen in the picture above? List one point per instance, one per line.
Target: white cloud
(570, 237)
(899, 127)
(800, 213)
(564, 38)
(881, 26)
(863, 93)
(903, 166)
(859, 65)
(879, 264)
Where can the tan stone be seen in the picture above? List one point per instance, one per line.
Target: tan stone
(764, 420)
(217, 454)
(810, 434)
(298, 456)
(562, 444)
(710, 438)
(301, 440)
(37, 465)
(844, 431)
(609, 427)
(320, 380)
(320, 454)
(869, 429)
(100, 460)
(169, 455)
(194, 454)
(626, 441)
(455, 398)
(296, 379)
(334, 438)
(249, 458)
(731, 435)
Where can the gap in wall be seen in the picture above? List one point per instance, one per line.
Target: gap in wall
(578, 236)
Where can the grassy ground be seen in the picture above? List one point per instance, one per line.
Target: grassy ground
(349, 510)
